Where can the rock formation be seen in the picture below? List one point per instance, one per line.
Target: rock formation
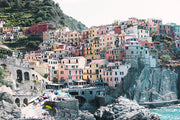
(8, 109)
(150, 85)
(124, 109)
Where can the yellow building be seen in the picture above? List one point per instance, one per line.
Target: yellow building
(74, 38)
(92, 33)
(92, 50)
(91, 73)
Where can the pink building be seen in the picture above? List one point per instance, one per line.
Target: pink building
(166, 30)
(114, 54)
(70, 69)
(114, 73)
(102, 31)
(39, 28)
(147, 44)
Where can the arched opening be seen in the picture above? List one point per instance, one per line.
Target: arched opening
(81, 100)
(26, 76)
(17, 101)
(19, 76)
(25, 101)
(36, 77)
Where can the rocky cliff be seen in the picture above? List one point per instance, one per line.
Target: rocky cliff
(124, 109)
(8, 109)
(151, 84)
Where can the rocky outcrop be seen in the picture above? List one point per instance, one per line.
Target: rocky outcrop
(124, 109)
(85, 115)
(8, 109)
(151, 84)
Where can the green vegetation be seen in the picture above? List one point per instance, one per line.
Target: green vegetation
(55, 80)
(24, 13)
(165, 58)
(45, 75)
(153, 50)
(74, 24)
(29, 42)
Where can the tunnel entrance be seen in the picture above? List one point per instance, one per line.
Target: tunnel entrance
(17, 101)
(19, 76)
(81, 100)
(26, 76)
(25, 101)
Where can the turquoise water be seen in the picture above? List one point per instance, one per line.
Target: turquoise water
(170, 113)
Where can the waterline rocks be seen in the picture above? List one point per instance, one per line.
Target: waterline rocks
(124, 109)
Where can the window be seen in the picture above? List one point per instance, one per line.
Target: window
(69, 72)
(132, 52)
(115, 73)
(80, 72)
(110, 79)
(82, 92)
(136, 47)
(110, 73)
(96, 65)
(62, 72)
(107, 79)
(126, 48)
(55, 72)
(61, 66)
(151, 44)
(146, 51)
(76, 60)
(53, 67)
(69, 61)
(90, 65)
(76, 72)
(91, 92)
(90, 76)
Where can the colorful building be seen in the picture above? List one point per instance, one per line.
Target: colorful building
(92, 49)
(114, 54)
(71, 68)
(39, 28)
(114, 73)
(91, 73)
(166, 30)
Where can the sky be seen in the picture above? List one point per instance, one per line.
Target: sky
(101, 12)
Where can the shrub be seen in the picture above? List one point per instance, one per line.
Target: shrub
(165, 58)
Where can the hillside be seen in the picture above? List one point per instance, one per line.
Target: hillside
(24, 13)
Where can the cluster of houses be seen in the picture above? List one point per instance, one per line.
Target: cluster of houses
(98, 54)
(9, 33)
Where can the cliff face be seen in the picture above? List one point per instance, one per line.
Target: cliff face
(124, 109)
(8, 109)
(151, 84)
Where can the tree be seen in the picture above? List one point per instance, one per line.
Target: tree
(32, 45)
(45, 75)
(165, 58)
(39, 19)
(5, 3)
(1, 55)
(55, 80)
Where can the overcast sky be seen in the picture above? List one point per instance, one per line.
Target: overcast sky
(100, 12)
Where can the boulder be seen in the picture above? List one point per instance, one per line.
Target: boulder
(8, 109)
(124, 109)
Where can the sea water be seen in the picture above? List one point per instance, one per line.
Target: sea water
(168, 113)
